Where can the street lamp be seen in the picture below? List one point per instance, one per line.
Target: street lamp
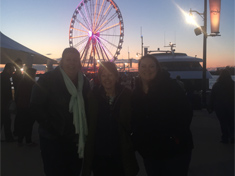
(198, 31)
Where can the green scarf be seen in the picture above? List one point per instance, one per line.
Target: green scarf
(76, 106)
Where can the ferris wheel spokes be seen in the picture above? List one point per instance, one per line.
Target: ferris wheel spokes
(107, 21)
(106, 51)
(110, 27)
(97, 31)
(81, 43)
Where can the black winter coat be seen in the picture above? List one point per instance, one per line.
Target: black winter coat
(161, 119)
(6, 92)
(50, 107)
(113, 135)
(222, 97)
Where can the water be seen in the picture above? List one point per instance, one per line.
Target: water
(214, 78)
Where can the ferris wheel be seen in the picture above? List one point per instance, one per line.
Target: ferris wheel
(97, 31)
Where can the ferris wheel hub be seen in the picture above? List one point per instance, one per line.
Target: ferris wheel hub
(89, 33)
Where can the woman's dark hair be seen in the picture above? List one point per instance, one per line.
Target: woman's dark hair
(110, 66)
(71, 50)
(158, 66)
(18, 63)
(225, 75)
(152, 58)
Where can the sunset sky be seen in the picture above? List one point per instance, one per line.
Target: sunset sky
(43, 26)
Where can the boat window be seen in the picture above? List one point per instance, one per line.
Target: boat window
(181, 66)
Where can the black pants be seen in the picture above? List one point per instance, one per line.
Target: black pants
(174, 166)
(107, 166)
(60, 158)
(6, 123)
(226, 119)
(24, 125)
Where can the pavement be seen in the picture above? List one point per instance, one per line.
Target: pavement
(209, 157)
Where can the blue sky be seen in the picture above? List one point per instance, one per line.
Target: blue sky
(44, 27)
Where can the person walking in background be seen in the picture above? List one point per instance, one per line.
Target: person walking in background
(109, 150)
(222, 102)
(17, 76)
(161, 121)
(23, 120)
(58, 105)
(6, 99)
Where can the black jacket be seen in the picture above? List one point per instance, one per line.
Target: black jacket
(161, 118)
(50, 106)
(6, 92)
(222, 98)
(109, 129)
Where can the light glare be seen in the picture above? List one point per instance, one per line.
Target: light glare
(189, 17)
(89, 33)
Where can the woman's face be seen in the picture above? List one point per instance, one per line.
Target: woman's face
(147, 69)
(71, 63)
(108, 79)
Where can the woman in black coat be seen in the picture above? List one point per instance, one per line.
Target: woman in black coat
(108, 149)
(58, 102)
(222, 102)
(161, 121)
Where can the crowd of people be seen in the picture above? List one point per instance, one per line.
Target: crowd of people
(95, 124)
(16, 90)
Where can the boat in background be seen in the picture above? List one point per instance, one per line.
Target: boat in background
(180, 64)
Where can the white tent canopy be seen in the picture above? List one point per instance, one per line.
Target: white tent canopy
(11, 50)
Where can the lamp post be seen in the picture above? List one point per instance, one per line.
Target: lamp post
(204, 55)
(214, 10)
(204, 83)
(197, 32)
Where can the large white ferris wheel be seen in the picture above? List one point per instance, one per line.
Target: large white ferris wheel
(97, 31)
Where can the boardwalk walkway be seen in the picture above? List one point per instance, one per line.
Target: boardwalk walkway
(209, 158)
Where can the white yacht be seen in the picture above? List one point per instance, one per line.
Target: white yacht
(180, 64)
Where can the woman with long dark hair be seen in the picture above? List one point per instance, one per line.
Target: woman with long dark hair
(161, 121)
